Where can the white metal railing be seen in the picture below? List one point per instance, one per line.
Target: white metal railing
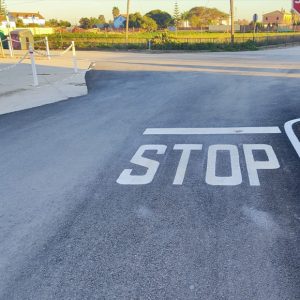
(32, 53)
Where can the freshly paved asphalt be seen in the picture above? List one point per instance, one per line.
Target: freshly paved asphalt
(68, 230)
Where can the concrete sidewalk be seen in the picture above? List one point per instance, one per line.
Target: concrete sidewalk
(57, 81)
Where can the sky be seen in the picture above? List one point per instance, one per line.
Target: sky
(73, 10)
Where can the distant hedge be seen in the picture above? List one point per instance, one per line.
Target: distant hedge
(164, 41)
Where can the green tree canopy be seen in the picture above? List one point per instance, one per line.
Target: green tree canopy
(149, 24)
(135, 20)
(204, 16)
(52, 23)
(115, 12)
(101, 19)
(162, 18)
(185, 15)
(20, 23)
(93, 22)
(64, 23)
(85, 23)
(56, 23)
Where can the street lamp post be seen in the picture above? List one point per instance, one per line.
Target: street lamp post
(127, 20)
(232, 20)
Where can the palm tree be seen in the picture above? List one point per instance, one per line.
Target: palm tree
(185, 18)
(115, 12)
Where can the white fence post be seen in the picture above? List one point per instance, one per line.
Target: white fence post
(47, 48)
(33, 66)
(1, 48)
(10, 46)
(74, 57)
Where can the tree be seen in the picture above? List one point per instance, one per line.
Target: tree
(93, 22)
(115, 12)
(56, 23)
(2, 8)
(185, 16)
(64, 23)
(52, 23)
(176, 16)
(162, 18)
(195, 21)
(203, 16)
(85, 23)
(148, 24)
(19, 23)
(135, 20)
(101, 19)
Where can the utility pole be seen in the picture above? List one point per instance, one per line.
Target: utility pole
(127, 20)
(232, 20)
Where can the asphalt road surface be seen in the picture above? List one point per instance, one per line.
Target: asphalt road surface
(175, 178)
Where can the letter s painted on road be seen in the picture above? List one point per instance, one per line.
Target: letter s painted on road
(138, 159)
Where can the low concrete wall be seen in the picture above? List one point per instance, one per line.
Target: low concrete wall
(34, 30)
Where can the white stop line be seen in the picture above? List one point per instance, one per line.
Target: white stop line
(204, 131)
(211, 178)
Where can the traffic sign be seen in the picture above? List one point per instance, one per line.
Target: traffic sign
(255, 18)
(296, 6)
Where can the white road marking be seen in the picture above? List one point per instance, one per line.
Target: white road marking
(128, 177)
(236, 174)
(151, 165)
(288, 127)
(184, 160)
(202, 131)
(253, 165)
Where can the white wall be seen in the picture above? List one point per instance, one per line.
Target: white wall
(3, 24)
(33, 21)
(34, 30)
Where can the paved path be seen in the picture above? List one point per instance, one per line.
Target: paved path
(173, 178)
(56, 77)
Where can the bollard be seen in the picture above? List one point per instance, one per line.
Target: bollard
(74, 57)
(10, 46)
(33, 66)
(1, 48)
(47, 48)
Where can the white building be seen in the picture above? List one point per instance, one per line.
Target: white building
(184, 24)
(3, 23)
(27, 18)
